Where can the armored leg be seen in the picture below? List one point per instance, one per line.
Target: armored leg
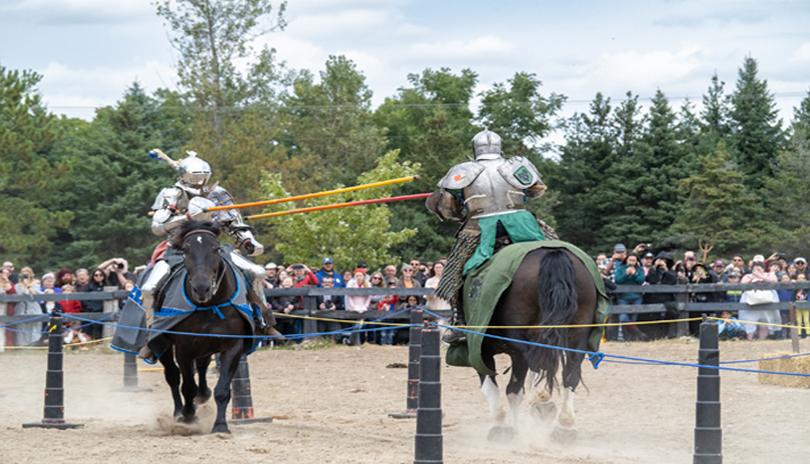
(157, 277)
(548, 231)
(450, 285)
(255, 274)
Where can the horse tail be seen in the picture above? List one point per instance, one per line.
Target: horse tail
(557, 305)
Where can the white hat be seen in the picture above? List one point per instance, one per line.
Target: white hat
(758, 259)
(270, 266)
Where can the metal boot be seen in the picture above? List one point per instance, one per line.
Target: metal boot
(451, 336)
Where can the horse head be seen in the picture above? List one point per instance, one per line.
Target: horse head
(202, 255)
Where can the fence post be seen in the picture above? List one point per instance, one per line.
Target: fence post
(110, 306)
(310, 305)
(708, 432)
(683, 313)
(242, 399)
(794, 330)
(428, 443)
(54, 413)
(414, 354)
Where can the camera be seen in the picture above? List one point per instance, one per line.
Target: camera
(120, 265)
(25, 275)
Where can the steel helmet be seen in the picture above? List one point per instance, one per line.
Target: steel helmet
(486, 145)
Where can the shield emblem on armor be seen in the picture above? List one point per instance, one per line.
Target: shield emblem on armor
(523, 175)
(475, 288)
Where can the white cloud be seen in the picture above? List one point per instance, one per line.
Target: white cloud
(802, 54)
(481, 48)
(338, 22)
(74, 11)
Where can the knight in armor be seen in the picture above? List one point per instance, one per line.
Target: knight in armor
(488, 195)
(189, 199)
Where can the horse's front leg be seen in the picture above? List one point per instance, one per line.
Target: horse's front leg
(222, 392)
(172, 375)
(203, 392)
(189, 388)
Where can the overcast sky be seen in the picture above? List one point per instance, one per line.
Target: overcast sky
(89, 51)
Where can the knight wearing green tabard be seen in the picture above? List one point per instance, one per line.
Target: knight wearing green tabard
(489, 196)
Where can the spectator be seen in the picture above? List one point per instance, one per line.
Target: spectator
(408, 280)
(701, 275)
(115, 270)
(602, 262)
(28, 333)
(271, 279)
(285, 304)
(6, 288)
(329, 302)
(303, 276)
(361, 265)
(647, 262)
(718, 271)
(390, 272)
(629, 272)
(70, 306)
(619, 254)
(660, 274)
(64, 277)
(347, 276)
(434, 302)
(376, 281)
(358, 303)
(418, 275)
(802, 314)
(84, 284)
(689, 262)
(801, 266)
(388, 304)
(792, 272)
(753, 297)
(738, 263)
(733, 296)
(12, 276)
(729, 327)
(328, 269)
(74, 329)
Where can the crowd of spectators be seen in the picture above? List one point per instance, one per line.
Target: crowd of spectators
(413, 274)
(641, 266)
(113, 274)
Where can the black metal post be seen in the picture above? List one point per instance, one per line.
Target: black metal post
(131, 374)
(54, 414)
(414, 354)
(708, 432)
(241, 397)
(310, 326)
(428, 443)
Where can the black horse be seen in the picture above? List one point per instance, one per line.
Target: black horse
(209, 282)
(550, 287)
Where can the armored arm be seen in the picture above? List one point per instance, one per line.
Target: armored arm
(521, 173)
(166, 217)
(234, 223)
(445, 205)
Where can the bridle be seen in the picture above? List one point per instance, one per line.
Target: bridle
(217, 281)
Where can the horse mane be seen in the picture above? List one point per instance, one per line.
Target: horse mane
(192, 226)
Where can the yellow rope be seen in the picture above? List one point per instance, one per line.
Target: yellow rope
(769, 324)
(66, 345)
(568, 326)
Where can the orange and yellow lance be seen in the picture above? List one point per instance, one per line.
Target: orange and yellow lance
(307, 196)
(311, 209)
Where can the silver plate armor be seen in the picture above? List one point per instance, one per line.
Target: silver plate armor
(486, 145)
(194, 173)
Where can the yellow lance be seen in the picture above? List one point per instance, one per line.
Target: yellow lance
(307, 196)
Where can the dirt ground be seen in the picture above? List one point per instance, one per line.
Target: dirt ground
(331, 406)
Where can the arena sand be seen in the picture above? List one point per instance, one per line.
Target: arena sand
(331, 406)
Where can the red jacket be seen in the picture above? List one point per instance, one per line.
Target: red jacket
(71, 306)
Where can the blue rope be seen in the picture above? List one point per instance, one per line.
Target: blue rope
(593, 354)
(40, 317)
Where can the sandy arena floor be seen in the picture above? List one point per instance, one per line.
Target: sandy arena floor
(331, 406)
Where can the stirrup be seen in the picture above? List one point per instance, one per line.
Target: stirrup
(452, 336)
(146, 354)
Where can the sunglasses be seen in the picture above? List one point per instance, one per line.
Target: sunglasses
(376, 277)
(98, 275)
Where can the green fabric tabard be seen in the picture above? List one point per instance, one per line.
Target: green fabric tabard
(484, 286)
(520, 225)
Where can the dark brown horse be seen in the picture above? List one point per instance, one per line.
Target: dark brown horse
(550, 287)
(210, 282)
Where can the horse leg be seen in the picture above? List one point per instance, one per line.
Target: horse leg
(189, 389)
(489, 388)
(565, 430)
(172, 375)
(516, 385)
(222, 392)
(203, 392)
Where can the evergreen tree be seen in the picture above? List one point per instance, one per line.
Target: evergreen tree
(29, 173)
(719, 209)
(800, 127)
(585, 158)
(715, 113)
(756, 131)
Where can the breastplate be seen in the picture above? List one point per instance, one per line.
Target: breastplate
(491, 194)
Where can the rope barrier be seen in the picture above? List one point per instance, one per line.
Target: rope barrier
(344, 321)
(769, 324)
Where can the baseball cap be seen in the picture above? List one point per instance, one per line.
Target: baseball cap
(719, 262)
(619, 248)
(362, 264)
(649, 255)
(327, 260)
(271, 266)
(758, 259)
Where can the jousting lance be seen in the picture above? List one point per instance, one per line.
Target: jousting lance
(307, 196)
(311, 209)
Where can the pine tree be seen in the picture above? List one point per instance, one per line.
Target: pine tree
(801, 122)
(719, 209)
(715, 113)
(756, 132)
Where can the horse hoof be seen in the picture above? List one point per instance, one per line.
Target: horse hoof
(200, 400)
(220, 428)
(501, 434)
(564, 436)
(188, 419)
(544, 412)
